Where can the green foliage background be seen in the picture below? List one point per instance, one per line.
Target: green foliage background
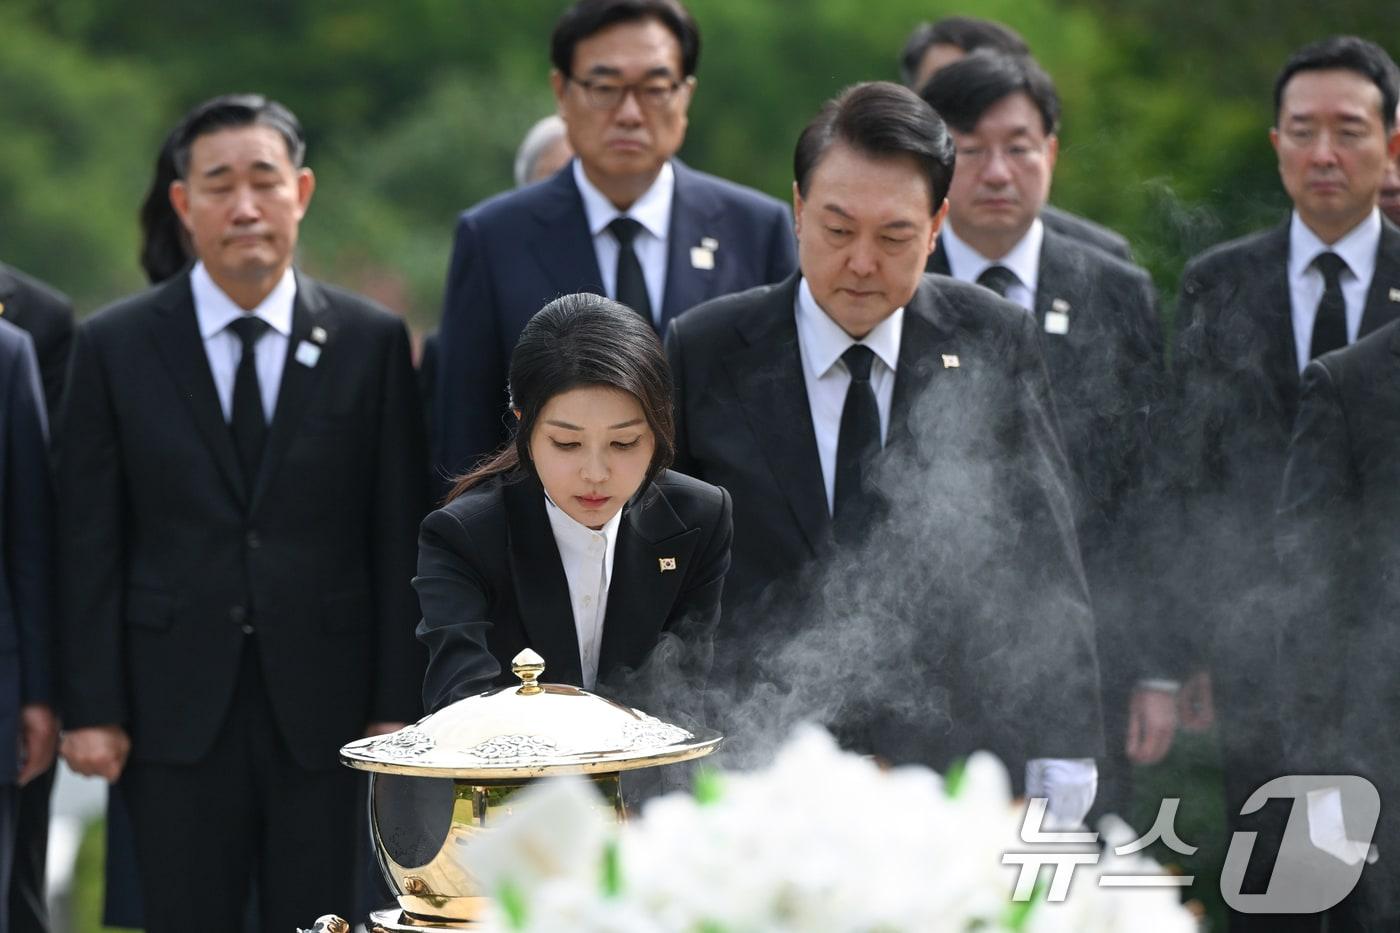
(413, 110)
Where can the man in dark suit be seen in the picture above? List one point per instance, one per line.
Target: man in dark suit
(1337, 519)
(1252, 313)
(47, 316)
(28, 728)
(899, 488)
(1097, 321)
(241, 474)
(931, 46)
(623, 219)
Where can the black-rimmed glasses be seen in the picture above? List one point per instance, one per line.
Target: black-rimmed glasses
(607, 94)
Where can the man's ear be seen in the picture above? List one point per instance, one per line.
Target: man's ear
(180, 201)
(796, 209)
(938, 218)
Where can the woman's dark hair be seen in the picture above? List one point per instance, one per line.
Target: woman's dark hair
(572, 342)
(165, 245)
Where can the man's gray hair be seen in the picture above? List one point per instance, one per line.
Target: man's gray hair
(542, 135)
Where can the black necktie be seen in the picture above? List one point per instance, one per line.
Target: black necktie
(249, 424)
(1330, 325)
(631, 284)
(998, 278)
(856, 446)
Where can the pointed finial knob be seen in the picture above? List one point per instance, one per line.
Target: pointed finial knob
(528, 666)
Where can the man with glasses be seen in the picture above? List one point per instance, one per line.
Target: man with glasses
(1097, 320)
(624, 218)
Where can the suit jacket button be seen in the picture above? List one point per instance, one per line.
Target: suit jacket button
(238, 615)
(247, 629)
(252, 540)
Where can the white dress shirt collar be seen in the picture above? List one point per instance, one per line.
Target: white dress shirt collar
(966, 264)
(587, 558)
(652, 210)
(1357, 248)
(823, 341)
(215, 310)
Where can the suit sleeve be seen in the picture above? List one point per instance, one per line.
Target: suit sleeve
(400, 501)
(454, 595)
(682, 462)
(28, 498)
(782, 248)
(1057, 704)
(1142, 546)
(92, 507)
(1317, 518)
(695, 616)
(470, 400)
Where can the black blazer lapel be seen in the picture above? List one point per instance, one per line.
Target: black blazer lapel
(299, 381)
(1270, 301)
(693, 214)
(923, 344)
(650, 561)
(772, 389)
(1383, 299)
(175, 330)
(563, 244)
(541, 589)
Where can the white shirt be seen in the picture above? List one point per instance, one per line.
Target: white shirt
(653, 211)
(966, 264)
(587, 556)
(214, 311)
(821, 341)
(1305, 284)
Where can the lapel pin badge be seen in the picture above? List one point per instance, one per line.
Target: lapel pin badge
(318, 335)
(1394, 296)
(308, 354)
(702, 258)
(1057, 318)
(667, 563)
(951, 361)
(2, 304)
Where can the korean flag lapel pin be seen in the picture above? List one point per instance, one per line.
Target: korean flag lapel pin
(1057, 318)
(951, 361)
(309, 351)
(667, 563)
(703, 256)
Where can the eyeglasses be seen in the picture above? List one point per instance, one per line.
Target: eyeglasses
(652, 94)
(1017, 153)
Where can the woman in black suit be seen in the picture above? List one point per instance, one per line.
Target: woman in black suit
(574, 539)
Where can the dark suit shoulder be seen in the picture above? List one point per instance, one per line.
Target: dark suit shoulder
(510, 209)
(12, 341)
(39, 295)
(740, 196)
(969, 308)
(353, 308)
(1224, 260)
(122, 313)
(1361, 362)
(695, 501)
(1085, 231)
(479, 510)
(718, 315)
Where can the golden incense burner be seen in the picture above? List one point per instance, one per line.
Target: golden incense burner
(438, 784)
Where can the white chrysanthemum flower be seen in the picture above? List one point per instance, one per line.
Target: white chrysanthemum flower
(822, 841)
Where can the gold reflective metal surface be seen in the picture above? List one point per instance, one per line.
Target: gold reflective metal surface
(491, 745)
